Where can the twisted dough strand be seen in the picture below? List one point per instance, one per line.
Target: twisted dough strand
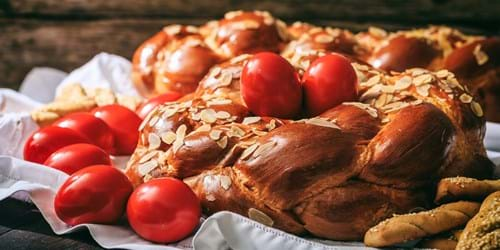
(403, 228)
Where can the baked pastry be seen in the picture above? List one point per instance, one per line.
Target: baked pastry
(74, 98)
(483, 231)
(334, 175)
(444, 241)
(462, 188)
(177, 58)
(473, 59)
(407, 227)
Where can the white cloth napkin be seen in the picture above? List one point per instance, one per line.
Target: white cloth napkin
(38, 183)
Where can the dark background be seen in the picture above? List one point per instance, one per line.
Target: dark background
(66, 33)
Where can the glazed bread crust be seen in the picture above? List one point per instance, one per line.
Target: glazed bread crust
(334, 175)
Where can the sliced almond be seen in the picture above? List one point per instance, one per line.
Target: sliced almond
(260, 217)
(225, 79)
(148, 156)
(251, 120)
(476, 108)
(237, 131)
(218, 102)
(170, 111)
(210, 197)
(208, 115)
(403, 83)
(264, 148)
(323, 38)
(271, 125)
(225, 182)
(239, 58)
(153, 121)
(381, 100)
(204, 128)
(222, 115)
(371, 93)
(168, 137)
(222, 142)
(322, 122)
(215, 134)
(481, 56)
(248, 151)
(442, 73)
(423, 90)
(146, 167)
(465, 98)
(372, 81)
(154, 141)
(422, 79)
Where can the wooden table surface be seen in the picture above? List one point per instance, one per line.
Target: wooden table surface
(23, 227)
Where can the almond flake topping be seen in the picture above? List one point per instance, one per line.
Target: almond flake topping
(148, 156)
(170, 111)
(215, 134)
(371, 111)
(222, 115)
(145, 168)
(377, 32)
(225, 182)
(208, 115)
(395, 106)
(204, 128)
(417, 71)
(239, 58)
(210, 197)
(323, 38)
(264, 148)
(179, 140)
(222, 142)
(153, 121)
(423, 90)
(481, 56)
(168, 137)
(322, 122)
(422, 79)
(372, 81)
(251, 120)
(442, 73)
(403, 83)
(232, 14)
(215, 71)
(260, 217)
(154, 141)
(225, 79)
(476, 108)
(465, 98)
(271, 125)
(373, 92)
(237, 131)
(248, 151)
(172, 30)
(218, 102)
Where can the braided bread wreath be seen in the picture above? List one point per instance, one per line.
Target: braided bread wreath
(334, 175)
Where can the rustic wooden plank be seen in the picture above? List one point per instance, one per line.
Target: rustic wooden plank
(419, 10)
(68, 44)
(23, 227)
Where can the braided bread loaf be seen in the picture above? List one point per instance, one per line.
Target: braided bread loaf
(178, 57)
(334, 175)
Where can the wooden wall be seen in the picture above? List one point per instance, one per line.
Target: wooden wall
(66, 33)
